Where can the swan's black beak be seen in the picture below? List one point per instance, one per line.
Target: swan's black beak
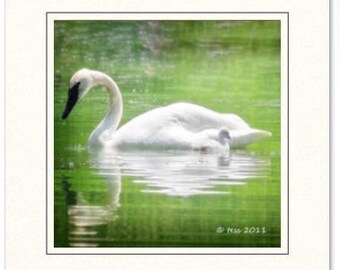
(72, 100)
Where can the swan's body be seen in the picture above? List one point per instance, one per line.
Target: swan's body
(176, 126)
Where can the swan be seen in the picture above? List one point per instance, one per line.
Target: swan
(176, 126)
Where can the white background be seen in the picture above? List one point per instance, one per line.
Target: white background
(335, 100)
(335, 133)
(2, 131)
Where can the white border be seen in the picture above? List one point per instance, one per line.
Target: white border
(51, 17)
(2, 134)
(335, 133)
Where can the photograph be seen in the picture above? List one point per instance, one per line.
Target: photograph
(167, 134)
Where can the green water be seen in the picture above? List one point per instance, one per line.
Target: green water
(168, 199)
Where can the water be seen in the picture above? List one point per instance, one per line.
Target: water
(168, 198)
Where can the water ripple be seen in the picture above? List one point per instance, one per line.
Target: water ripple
(181, 173)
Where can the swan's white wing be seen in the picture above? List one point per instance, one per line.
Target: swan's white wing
(196, 118)
(191, 117)
(234, 122)
(176, 124)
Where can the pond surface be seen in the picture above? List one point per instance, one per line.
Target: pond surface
(168, 198)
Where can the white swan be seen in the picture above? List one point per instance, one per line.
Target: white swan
(176, 126)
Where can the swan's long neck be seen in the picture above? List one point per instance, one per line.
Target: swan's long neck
(112, 118)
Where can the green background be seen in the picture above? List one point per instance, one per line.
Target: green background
(150, 199)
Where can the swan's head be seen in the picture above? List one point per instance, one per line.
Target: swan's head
(81, 82)
(223, 136)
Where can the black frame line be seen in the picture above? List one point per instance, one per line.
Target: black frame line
(162, 12)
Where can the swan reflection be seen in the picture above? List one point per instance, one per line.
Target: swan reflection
(180, 174)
